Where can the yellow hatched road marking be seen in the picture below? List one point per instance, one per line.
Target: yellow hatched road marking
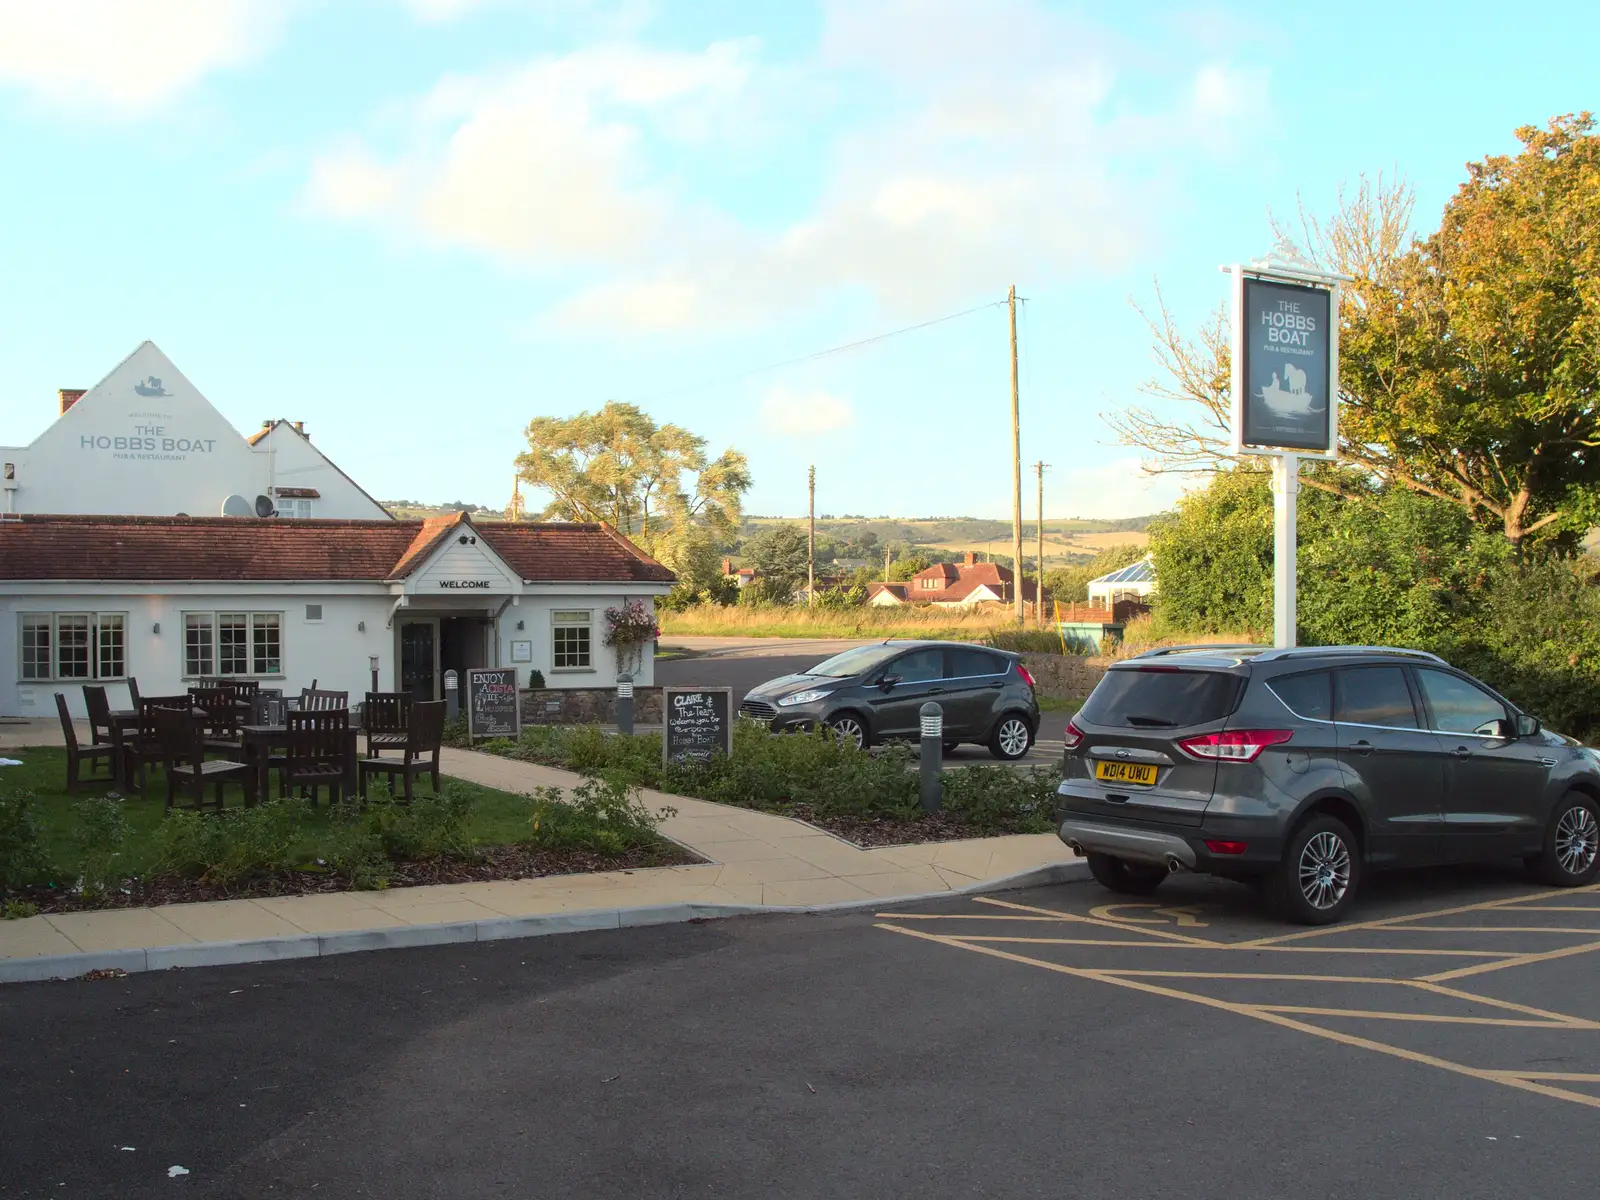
(1522, 960)
(1148, 930)
(1412, 918)
(1593, 929)
(1426, 1018)
(1420, 952)
(1282, 1020)
(1564, 1076)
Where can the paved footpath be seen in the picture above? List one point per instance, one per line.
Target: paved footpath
(755, 862)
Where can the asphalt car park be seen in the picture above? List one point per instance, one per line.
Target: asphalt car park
(1473, 973)
(1194, 1047)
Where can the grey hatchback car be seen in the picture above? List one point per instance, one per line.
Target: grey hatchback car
(875, 693)
(1299, 769)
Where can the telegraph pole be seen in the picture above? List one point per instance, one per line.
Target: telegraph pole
(811, 556)
(1038, 595)
(1016, 464)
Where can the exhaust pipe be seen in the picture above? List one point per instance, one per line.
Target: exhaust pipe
(1076, 849)
(1174, 864)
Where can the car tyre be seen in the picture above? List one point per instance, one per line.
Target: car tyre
(1571, 853)
(951, 747)
(849, 727)
(1012, 737)
(1316, 880)
(1124, 877)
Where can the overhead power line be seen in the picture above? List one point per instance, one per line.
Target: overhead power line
(804, 358)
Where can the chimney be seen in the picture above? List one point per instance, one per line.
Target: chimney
(70, 396)
(972, 558)
(266, 425)
(727, 566)
(299, 427)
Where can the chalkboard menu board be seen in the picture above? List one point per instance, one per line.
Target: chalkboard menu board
(698, 723)
(492, 703)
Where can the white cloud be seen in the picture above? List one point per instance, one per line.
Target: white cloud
(788, 413)
(127, 58)
(982, 142)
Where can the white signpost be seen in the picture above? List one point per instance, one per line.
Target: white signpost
(1285, 393)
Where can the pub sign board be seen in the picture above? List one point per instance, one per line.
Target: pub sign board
(697, 723)
(492, 709)
(1286, 372)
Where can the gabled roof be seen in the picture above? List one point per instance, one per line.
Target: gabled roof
(250, 549)
(280, 423)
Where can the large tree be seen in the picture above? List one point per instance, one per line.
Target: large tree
(653, 483)
(1470, 359)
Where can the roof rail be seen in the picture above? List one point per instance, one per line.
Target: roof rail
(1217, 647)
(1310, 651)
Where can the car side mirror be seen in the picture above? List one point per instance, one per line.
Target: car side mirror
(888, 681)
(1526, 726)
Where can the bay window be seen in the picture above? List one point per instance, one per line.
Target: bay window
(73, 646)
(232, 643)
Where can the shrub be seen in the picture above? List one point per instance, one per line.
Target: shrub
(998, 798)
(455, 734)
(224, 847)
(428, 827)
(17, 910)
(100, 835)
(602, 814)
(22, 856)
(351, 849)
(1026, 641)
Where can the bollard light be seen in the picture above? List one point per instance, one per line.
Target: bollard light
(625, 688)
(625, 703)
(931, 718)
(933, 723)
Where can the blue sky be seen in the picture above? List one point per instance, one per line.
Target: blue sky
(417, 224)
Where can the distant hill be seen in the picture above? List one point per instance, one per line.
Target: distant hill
(413, 509)
(1068, 540)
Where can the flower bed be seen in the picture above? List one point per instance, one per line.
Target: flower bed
(870, 798)
(60, 855)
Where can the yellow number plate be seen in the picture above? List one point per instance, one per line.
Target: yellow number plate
(1124, 772)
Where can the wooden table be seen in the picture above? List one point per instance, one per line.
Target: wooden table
(259, 741)
(122, 720)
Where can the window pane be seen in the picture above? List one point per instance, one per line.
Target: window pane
(109, 663)
(918, 667)
(1458, 706)
(571, 647)
(570, 617)
(1373, 696)
(1138, 698)
(36, 647)
(1306, 695)
(233, 644)
(197, 658)
(965, 663)
(72, 646)
(265, 644)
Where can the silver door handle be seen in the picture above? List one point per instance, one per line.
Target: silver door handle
(1547, 762)
(1462, 752)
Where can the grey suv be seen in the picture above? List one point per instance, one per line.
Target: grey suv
(1298, 769)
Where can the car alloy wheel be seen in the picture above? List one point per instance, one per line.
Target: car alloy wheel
(1014, 737)
(848, 729)
(1577, 840)
(1324, 870)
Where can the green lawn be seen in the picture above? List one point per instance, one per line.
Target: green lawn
(498, 817)
(1053, 704)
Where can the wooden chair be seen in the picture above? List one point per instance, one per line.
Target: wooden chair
(77, 755)
(220, 718)
(267, 708)
(98, 707)
(243, 689)
(311, 700)
(181, 733)
(143, 748)
(318, 745)
(133, 693)
(424, 735)
(383, 720)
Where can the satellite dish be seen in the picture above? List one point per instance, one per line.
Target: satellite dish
(264, 507)
(237, 506)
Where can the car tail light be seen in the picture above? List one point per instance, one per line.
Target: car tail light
(1236, 745)
(1073, 737)
(1227, 847)
(1026, 678)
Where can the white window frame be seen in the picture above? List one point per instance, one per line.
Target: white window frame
(571, 619)
(212, 623)
(295, 508)
(96, 623)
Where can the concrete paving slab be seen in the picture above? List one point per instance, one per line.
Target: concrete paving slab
(118, 929)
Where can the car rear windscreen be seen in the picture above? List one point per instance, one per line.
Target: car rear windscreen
(1164, 698)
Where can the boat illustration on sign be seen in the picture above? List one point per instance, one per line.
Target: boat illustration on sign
(1293, 400)
(151, 387)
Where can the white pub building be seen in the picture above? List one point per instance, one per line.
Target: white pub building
(141, 535)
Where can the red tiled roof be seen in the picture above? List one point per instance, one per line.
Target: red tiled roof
(227, 549)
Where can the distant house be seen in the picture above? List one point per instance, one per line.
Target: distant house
(1137, 581)
(742, 576)
(954, 585)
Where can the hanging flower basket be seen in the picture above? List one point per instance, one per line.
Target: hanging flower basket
(629, 630)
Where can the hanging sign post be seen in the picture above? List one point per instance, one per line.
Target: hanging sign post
(1285, 394)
